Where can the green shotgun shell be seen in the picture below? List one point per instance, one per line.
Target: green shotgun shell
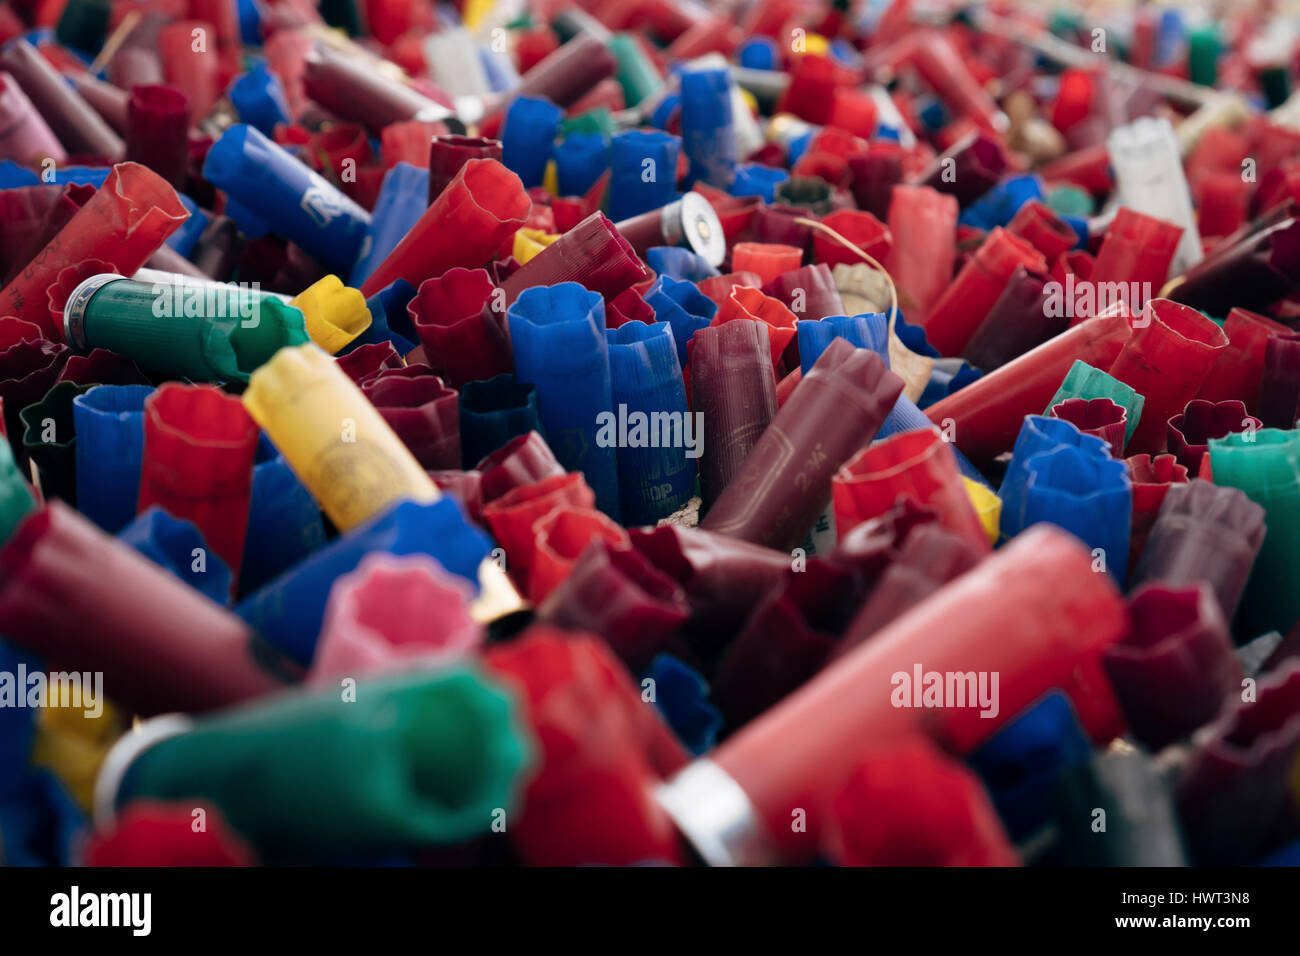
(16, 498)
(1275, 84)
(425, 758)
(1265, 464)
(50, 440)
(198, 329)
(636, 74)
(1204, 46)
(1084, 381)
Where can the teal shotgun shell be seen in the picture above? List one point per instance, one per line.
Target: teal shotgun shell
(201, 330)
(1265, 464)
(16, 498)
(636, 73)
(426, 758)
(1084, 381)
(1204, 47)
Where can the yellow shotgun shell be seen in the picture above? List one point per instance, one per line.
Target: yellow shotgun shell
(529, 242)
(346, 455)
(72, 743)
(333, 438)
(987, 505)
(335, 314)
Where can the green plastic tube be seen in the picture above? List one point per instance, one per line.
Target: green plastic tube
(50, 440)
(636, 74)
(426, 758)
(1084, 381)
(597, 120)
(1203, 48)
(1275, 83)
(1065, 22)
(1265, 464)
(1071, 201)
(201, 330)
(16, 498)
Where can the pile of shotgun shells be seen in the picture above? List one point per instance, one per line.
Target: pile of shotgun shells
(654, 432)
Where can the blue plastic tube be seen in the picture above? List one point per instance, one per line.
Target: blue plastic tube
(682, 306)
(1038, 434)
(288, 612)
(290, 198)
(499, 70)
(708, 134)
(999, 205)
(82, 175)
(1289, 855)
(934, 116)
(913, 336)
(644, 172)
(13, 176)
(284, 521)
(580, 160)
(41, 822)
(678, 262)
(1171, 35)
(907, 417)
(184, 239)
(250, 22)
(1022, 762)
(648, 392)
(665, 110)
(682, 697)
(558, 336)
(403, 197)
(1088, 495)
(17, 724)
(1080, 227)
(389, 320)
(759, 53)
(947, 376)
(178, 546)
(528, 137)
(755, 179)
(249, 224)
(492, 413)
(258, 98)
(109, 420)
(867, 331)
(795, 149)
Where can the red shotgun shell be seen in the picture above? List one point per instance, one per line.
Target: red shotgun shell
(178, 651)
(199, 445)
(954, 318)
(1036, 629)
(483, 206)
(986, 415)
(1167, 359)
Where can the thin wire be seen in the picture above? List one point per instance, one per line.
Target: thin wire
(893, 290)
(113, 42)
